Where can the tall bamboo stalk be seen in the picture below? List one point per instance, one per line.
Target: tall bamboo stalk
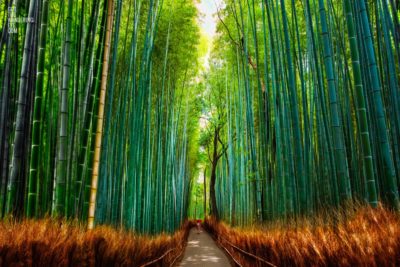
(100, 117)
(22, 113)
(32, 208)
(361, 106)
(391, 190)
(62, 150)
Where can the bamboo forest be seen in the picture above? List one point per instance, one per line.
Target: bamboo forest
(199, 133)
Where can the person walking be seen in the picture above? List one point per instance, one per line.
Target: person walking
(198, 225)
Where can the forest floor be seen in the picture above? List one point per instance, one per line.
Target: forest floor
(358, 236)
(201, 250)
(50, 242)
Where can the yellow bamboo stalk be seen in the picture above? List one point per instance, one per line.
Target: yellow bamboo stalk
(100, 118)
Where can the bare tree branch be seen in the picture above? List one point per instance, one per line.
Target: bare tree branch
(240, 45)
(224, 148)
(208, 152)
(227, 30)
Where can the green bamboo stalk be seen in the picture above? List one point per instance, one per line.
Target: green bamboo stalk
(62, 151)
(389, 175)
(336, 124)
(100, 117)
(32, 208)
(20, 130)
(361, 106)
(295, 115)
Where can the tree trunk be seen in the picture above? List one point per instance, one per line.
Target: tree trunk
(205, 192)
(213, 200)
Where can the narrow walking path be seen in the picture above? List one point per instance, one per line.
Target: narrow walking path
(202, 251)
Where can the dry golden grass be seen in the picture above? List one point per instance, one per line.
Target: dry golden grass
(53, 243)
(362, 237)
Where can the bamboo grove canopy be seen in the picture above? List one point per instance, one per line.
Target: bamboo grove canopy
(128, 65)
(100, 102)
(307, 93)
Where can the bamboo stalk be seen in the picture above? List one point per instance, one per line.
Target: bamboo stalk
(100, 118)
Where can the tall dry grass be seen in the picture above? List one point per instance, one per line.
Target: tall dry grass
(359, 237)
(53, 243)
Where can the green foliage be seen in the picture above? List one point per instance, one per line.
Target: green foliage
(302, 123)
(297, 111)
(150, 157)
(150, 147)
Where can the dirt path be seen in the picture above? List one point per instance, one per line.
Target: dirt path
(202, 251)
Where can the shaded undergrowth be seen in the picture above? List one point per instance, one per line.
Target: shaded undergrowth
(355, 237)
(49, 242)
